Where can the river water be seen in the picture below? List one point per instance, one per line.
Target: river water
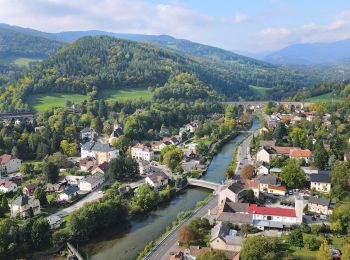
(127, 245)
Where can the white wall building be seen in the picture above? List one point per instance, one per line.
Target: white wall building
(7, 186)
(9, 164)
(142, 152)
(92, 182)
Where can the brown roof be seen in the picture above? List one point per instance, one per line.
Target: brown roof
(5, 158)
(283, 149)
(103, 166)
(196, 250)
(270, 143)
(300, 153)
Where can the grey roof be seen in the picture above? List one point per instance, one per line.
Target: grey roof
(95, 177)
(239, 218)
(267, 179)
(70, 190)
(268, 223)
(323, 178)
(158, 176)
(235, 207)
(219, 230)
(97, 146)
(86, 130)
(236, 187)
(320, 201)
(22, 200)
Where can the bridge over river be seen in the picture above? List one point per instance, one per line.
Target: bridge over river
(204, 184)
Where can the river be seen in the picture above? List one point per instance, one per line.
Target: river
(127, 245)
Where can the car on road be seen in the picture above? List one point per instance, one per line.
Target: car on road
(290, 192)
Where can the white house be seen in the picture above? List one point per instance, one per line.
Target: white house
(320, 182)
(7, 186)
(263, 169)
(225, 239)
(87, 134)
(101, 152)
(74, 180)
(320, 205)
(68, 194)
(157, 180)
(9, 164)
(191, 127)
(92, 182)
(144, 166)
(54, 221)
(142, 152)
(22, 206)
(264, 155)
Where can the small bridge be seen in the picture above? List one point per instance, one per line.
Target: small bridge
(204, 184)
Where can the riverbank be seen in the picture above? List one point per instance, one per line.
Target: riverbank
(128, 244)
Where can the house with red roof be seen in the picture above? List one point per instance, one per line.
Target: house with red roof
(9, 164)
(29, 189)
(302, 154)
(7, 186)
(276, 217)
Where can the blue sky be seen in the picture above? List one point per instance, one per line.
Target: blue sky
(245, 25)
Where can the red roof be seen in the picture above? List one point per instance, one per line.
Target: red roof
(273, 187)
(300, 153)
(103, 166)
(255, 209)
(5, 158)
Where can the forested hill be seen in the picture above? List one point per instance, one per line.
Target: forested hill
(92, 64)
(15, 44)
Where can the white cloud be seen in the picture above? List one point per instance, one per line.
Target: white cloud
(275, 38)
(240, 18)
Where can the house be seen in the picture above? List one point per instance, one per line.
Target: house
(92, 182)
(142, 152)
(194, 251)
(87, 163)
(117, 131)
(320, 182)
(276, 218)
(9, 164)
(74, 180)
(320, 205)
(225, 239)
(233, 191)
(38, 128)
(87, 134)
(234, 212)
(266, 180)
(101, 152)
(276, 190)
(49, 187)
(68, 194)
(263, 168)
(144, 166)
(103, 168)
(54, 221)
(172, 140)
(191, 127)
(157, 180)
(29, 189)
(264, 154)
(301, 154)
(269, 143)
(7, 186)
(24, 206)
(308, 171)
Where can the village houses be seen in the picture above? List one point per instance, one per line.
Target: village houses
(9, 164)
(24, 206)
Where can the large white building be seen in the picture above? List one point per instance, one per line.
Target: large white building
(101, 152)
(142, 152)
(92, 182)
(9, 164)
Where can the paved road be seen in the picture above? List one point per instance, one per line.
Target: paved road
(170, 243)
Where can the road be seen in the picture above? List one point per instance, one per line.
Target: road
(169, 244)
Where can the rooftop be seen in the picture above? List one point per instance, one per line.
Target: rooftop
(5, 158)
(97, 146)
(320, 201)
(93, 178)
(255, 209)
(70, 190)
(300, 153)
(323, 178)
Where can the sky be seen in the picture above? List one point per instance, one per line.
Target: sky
(252, 26)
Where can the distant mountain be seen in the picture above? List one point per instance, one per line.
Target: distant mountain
(20, 44)
(312, 53)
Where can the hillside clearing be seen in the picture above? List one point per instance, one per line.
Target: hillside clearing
(259, 91)
(123, 94)
(323, 98)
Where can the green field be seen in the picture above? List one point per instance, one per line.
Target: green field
(323, 98)
(42, 102)
(24, 62)
(260, 92)
(123, 94)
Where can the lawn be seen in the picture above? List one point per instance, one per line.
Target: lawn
(24, 62)
(306, 253)
(42, 102)
(323, 98)
(129, 93)
(259, 91)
